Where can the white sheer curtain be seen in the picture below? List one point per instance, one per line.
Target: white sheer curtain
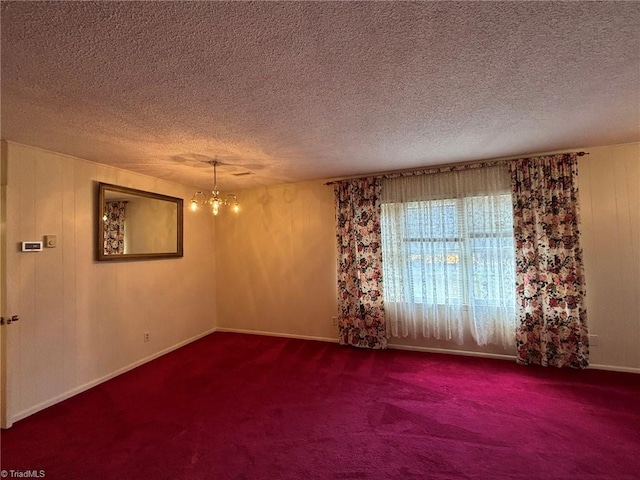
(448, 255)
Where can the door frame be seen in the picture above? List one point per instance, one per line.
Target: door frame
(6, 415)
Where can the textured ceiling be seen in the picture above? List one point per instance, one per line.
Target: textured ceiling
(293, 91)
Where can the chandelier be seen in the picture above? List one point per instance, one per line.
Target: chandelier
(215, 199)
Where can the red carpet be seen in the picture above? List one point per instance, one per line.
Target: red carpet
(235, 406)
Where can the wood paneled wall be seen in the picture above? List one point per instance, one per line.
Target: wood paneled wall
(610, 211)
(82, 321)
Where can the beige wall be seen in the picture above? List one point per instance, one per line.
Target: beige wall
(276, 261)
(610, 212)
(82, 320)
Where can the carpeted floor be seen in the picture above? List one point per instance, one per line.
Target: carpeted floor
(233, 406)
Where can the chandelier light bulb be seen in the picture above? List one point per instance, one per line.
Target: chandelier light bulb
(214, 199)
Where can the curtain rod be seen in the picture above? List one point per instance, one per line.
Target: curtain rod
(445, 165)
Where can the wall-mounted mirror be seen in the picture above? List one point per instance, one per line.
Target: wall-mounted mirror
(134, 224)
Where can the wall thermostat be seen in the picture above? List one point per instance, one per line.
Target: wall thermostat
(31, 246)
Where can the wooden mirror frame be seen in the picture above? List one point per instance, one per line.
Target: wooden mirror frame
(101, 256)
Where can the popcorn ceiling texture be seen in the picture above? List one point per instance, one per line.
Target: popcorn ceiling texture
(294, 91)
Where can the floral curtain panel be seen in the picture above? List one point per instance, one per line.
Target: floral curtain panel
(550, 282)
(114, 213)
(361, 320)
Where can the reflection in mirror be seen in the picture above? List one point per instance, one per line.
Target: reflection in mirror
(134, 224)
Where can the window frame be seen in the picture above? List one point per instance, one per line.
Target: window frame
(464, 238)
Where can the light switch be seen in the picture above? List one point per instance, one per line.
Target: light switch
(50, 241)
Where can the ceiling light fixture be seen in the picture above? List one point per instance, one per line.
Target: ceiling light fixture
(215, 200)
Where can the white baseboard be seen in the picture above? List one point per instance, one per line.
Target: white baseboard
(416, 348)
(275, 334)
(613, 368)
(446, 351)
(93, 383)
(391, 345)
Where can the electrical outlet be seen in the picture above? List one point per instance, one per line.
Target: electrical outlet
(593, 340)
(146, 337)
(334, 320)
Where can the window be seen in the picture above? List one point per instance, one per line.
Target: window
(448, 258)
(454, 257)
